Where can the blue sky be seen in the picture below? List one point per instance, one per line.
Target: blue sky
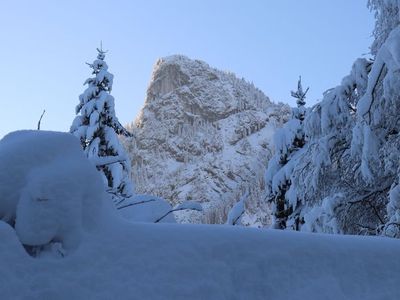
(45, 44)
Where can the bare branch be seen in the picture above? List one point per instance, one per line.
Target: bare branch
(172, 210)
(136, 203)
(107, 160)
(40, 119)
(238, 218)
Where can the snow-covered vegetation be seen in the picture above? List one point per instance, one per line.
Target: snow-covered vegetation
(73, 227)
(345, 179)
(288, 141)
(97, 127)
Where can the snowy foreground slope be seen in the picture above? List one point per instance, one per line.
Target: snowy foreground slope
(81, 248)
(182, 261)
(203, 135)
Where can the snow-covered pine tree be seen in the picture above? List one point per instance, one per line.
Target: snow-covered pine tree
(97, 127)
(323, 179)
(340, 180)
(299, 113)
(287, 141)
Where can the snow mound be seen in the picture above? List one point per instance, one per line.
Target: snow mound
(48, 188)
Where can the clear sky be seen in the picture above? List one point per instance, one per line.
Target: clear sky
(45, 44)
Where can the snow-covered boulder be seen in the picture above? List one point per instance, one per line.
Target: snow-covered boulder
(48, 188)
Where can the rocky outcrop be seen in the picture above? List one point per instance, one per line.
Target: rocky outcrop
(203, 135)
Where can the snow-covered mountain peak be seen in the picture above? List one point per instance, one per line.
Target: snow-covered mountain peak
(201, 134)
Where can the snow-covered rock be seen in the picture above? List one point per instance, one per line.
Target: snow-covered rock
(48, 189)
(203, 135)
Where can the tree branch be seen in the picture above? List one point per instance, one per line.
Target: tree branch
(40, 119)
(172, 210)
(107, 160)
(136, 203)
(238, 218)
(373, 91)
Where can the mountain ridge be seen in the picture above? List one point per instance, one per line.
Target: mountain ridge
(203, 135)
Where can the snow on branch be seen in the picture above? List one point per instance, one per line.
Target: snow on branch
(237, 211)
(136, 203)
(97, 127)
(187, 205)
(107, 160)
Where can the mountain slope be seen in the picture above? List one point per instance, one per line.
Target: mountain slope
(203, 135)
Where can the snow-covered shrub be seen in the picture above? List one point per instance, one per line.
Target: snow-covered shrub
(48, 189)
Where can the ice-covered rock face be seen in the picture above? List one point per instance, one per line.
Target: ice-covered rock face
(203, 135)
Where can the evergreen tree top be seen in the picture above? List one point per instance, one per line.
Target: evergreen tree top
(102, 53)
(300, 95)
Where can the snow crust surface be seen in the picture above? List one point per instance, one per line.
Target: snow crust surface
(177, 261)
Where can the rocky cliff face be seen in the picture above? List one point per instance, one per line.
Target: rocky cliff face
(203, 135)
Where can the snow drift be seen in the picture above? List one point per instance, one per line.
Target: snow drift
(48, 188)
(183, 261)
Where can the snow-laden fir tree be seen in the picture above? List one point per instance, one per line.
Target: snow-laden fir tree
(97, 127)
(346, 177)
(287, 141)
(323, 178)
(350, 164)
(299, 113)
